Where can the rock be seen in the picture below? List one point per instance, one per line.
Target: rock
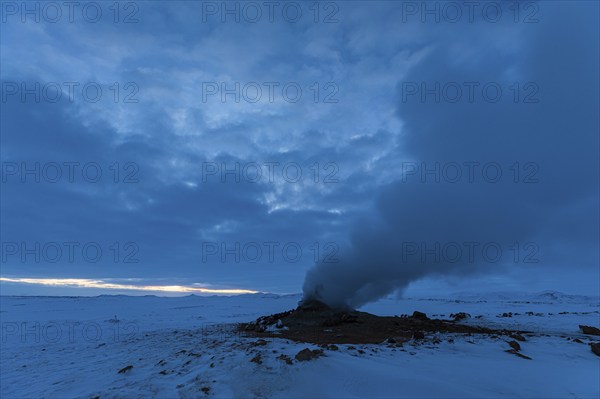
(419, 315)
(418, 335)
(578, 341)
(333, 347)
(349, 318)
(125, 369)
(460, 316)
(590, 330)
(312, 306)
(518, 337)
(515, 345)
(514, 352)
(260, 328)
(307, 354)
(206, 390)
(260, 342)
(286, 359)
(391, 341)
(595, 348)
(257, 359)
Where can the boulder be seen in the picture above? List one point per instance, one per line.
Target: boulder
(307, 354)
(419, 315)
(257, 359)
(515, 345)
(590, 330)
(125, 369)
(514, 352)
(460, 316)
(518, 337)
(595, 348)
(285, 358)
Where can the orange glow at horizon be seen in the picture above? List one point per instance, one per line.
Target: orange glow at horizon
(89, 283)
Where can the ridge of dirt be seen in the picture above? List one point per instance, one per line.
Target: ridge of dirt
(319, 324)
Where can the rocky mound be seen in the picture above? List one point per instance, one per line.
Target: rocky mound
(317, 323)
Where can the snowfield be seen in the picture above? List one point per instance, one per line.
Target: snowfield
(188, 347)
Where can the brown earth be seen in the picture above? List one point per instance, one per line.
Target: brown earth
(319, 324)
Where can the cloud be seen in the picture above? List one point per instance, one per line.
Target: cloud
(368, 134)
(544, 205)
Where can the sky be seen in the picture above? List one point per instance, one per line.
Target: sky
(227, 147)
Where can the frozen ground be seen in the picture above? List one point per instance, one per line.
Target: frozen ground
(185, 347)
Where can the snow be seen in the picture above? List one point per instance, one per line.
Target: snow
(187, 347)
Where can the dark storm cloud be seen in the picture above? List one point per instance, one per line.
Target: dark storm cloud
(162, 216)
(368, 134)
(553, 204)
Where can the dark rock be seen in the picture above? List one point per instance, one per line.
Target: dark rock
(515, 345)
(578, 341)
(349, 318)
(460, 316)
(344, 326)
(260, 342)
(518, 337)
(514, 352)
(419, 315)
(206, 390)
(257, 359)
(590, 330)
(332, 322)
(307, 354)
(340, 318)
(313, 306)
(595, 348)
(286, 359)
(125, 369)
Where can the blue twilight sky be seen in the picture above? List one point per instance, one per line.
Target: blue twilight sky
(361, 98)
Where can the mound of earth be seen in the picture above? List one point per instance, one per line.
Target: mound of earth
(317, 323)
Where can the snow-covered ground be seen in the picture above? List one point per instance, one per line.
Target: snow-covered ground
(186, 347)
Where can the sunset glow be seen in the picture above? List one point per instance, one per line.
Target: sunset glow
(89, 283)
